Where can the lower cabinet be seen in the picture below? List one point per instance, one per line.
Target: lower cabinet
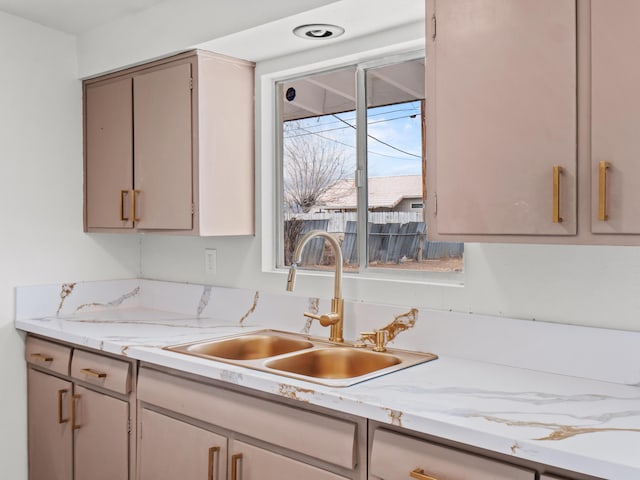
(79, 415)
(194, 430)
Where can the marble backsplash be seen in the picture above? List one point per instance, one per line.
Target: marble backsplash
(595, 353)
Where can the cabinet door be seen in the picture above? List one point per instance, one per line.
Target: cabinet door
(615, 117)
(50, 444)
(163, 148)
(502, 95)
(170, 449)
(101, 440)
(252, 463)
(108, 154)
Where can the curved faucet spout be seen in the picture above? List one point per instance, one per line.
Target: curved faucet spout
(335, 318)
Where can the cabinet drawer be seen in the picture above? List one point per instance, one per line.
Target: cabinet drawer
(99, 370)
(395, 456)
(48, 355)
(326, 438)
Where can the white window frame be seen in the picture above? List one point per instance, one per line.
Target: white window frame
(271, 172)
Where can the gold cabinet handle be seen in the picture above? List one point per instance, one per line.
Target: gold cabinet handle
(235, 460)
(213, 451)
(42, 357)
(61, 393)
(420, 475)
(123, 193)
(93, 373)
(133, 205)
(557, 171)
(602, 191)
(74, 399)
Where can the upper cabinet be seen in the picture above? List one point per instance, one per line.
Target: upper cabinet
(533, 114)
(169, 147)
(501, 95)
(615, 117)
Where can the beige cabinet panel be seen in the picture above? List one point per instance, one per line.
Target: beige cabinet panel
(108, 154)
(101, 441)
(170, 449)
(502, 113)
(394, 456)
(615, 116)
(50, 436)
(162, 152)
(253, 463)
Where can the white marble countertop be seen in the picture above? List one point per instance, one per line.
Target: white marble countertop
(586, 426)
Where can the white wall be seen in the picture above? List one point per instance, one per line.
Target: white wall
(41, 240)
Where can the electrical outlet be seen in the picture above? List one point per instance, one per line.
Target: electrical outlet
(210, 261)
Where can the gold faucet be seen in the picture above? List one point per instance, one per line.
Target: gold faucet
(335, 318)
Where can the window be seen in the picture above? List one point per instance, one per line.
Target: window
(352, 163)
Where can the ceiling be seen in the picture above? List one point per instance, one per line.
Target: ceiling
(270, 38)
(74, 16)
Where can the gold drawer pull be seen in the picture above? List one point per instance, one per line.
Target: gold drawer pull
(74, 399)
(133, 205)
(602, 191)
(40, 356)
(420, 475)
(557, 171)
(213, 451)
(61, 393)
(235, 459)
(93, 373)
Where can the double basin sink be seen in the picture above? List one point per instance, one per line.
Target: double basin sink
(303, 357)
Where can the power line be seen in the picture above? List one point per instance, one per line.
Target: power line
(380, 141)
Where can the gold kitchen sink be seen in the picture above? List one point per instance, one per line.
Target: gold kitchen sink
(303, 357)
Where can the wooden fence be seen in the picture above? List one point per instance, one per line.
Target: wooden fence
(390, 242)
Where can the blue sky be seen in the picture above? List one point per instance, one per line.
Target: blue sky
(398, 126)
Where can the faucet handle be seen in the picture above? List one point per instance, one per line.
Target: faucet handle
(325, 319)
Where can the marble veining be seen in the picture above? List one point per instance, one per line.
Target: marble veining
(312, 307)
(65, 291)
(295, 393)
(204, 299)
(558, 431)
(251, 309)
(395, 416)
(112, 304)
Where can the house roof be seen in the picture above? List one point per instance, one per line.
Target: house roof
(384, 192)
